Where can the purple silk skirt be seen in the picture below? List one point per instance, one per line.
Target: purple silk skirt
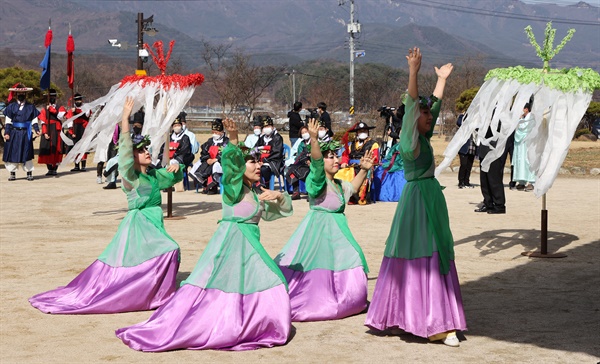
(413, 296)
(322, 294)
(197, 318)
(101, 288)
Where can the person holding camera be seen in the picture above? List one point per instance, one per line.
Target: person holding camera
(324, 117)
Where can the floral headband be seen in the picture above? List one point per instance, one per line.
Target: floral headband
(427, 102)
(332, 145)
(141, 142)
(248, 153)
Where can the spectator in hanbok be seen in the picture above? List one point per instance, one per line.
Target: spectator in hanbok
(417, 290)
(523, 176)
(236, 297)
(351, 156)
(208, 170)
(21, 117)
(51, 143)
(137, 270)
(270, 143)
(78, 128)
(325, 267)
(251, 139)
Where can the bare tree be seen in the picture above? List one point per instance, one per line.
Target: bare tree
(215, 57)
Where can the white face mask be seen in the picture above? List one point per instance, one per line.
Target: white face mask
(363, 136)
(267, 131)
(217, 137)
(322, 133)
(305, 136)
(256, 131)
(177, 129)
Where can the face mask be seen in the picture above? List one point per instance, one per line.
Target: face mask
(322, 133)
(305, 136)
(21, 98)
(217, 137)
(363, 136)
(53, 100)
(78, 103)
(137, 130)
(256, 131)
(177, 129)
(267, 131)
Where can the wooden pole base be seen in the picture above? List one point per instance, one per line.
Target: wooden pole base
(538, 254)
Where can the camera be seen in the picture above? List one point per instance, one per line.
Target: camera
(314, 113)
(386, 112)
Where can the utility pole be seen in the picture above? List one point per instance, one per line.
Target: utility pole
(353, 30)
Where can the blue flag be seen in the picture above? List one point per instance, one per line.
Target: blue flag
(45, 79)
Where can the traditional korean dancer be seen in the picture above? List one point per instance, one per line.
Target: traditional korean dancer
(137, 270)
(325, 267)
(236, 297)
(417, 289)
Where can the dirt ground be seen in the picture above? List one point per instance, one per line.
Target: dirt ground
(518, 309)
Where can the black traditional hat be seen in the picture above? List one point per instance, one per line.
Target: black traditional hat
(51, 92)
(361, 126)
(177, 121)
(266, 121)
(257, 123)
(182, 116)
(217, 125)
(19, 87)
(78, 96)
(138, 117)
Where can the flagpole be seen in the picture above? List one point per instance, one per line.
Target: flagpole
(68, 76)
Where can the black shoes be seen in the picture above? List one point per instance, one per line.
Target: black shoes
(76, 169)
(296, 196)
(110, 186)
(13, 176)
(483, 208)
(29, 176)
(497, 210)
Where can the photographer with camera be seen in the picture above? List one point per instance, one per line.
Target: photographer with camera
(393, 126)
(324, 116)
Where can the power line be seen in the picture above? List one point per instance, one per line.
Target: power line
(463, 9)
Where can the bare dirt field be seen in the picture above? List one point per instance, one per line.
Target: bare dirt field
(518, 309)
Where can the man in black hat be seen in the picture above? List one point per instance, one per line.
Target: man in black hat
(79, 126)
(208, 171)
(51, 143)
(271, 145)
(21, 116)
(355, 151)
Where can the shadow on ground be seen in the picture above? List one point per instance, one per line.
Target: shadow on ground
(550, 303)
(180, 209)
(494, 241)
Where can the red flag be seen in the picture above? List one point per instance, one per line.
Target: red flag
(70, 66)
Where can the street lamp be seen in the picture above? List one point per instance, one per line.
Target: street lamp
(293, 73)
(144, 26)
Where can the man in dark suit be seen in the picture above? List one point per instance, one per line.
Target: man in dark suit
(492, 186)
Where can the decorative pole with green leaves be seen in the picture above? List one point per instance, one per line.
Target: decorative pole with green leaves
(547, 53)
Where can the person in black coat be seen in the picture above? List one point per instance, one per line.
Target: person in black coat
(271, 145)
(295, 122)
(466, 155)
(325, 118)
(208, 171)
(492, 186)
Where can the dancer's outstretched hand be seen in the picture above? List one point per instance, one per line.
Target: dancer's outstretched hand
(444, 71)
(414, 59)
(313, 128)
(366, 162)
(173, 168)
(231, 129)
